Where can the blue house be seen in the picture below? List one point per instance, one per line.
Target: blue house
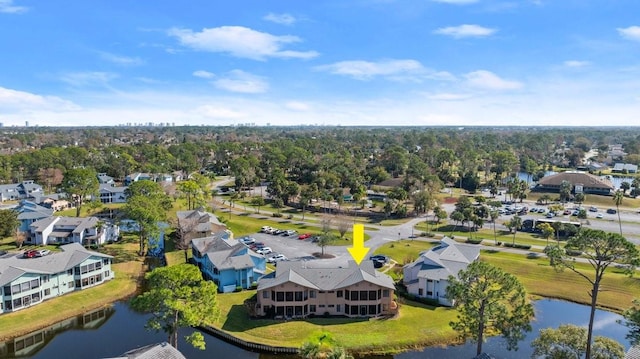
(227, 262)
(29, 212)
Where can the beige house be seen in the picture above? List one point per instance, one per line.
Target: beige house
(300, 289)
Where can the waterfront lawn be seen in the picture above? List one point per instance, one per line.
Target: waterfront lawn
(409, 329)
(64, 307)
(539, 278)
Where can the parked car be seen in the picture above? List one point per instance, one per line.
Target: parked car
(30, 253)
(257, 245)
(550, 215)
(566, 212)
(379, 257)
(290, 232)
(247, 240)
(276, 258)
(593, 209)
(599, 215)
(611, 211)
(304, 236)
(265, 229)
(264, 251)
(42, 252)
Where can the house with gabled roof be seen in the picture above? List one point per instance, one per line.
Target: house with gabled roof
(103, 178)
(199, 222)
(29, 212)
(23, 190)
(428, 276)
(62, 230)
(25, 282)
(227, 262)
(298, 289)
(581, 182)
(111, 194)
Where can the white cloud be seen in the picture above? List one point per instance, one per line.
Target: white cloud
(465, 30)
(82, 79)
(204, 74)
(457, 2)
(576, 63)
(121, 60)
(25, 101)
(297, 106)
(243, 82)
(283, 19)
(240, 41)
(365, 70)
(489, 81)
(216, 112)
(631, 32)
(448, 96)
(6, 6)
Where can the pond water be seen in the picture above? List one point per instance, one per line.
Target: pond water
(113, 331)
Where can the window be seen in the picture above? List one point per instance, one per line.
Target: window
(312, 308)
(312, 294)
(339, 294)
(70, 284)
(385, 293)
(372, 295)
(298, 296)
(321, 306)
(346, 294)
(70, 271)
(15, 289)
(265, 294)
(44, 279)
(331, 306)
(35, 283)
(47, 291)
(289, 296)
(429, 293)
(339, 308)
(354, 295)
(280, 296)
(7, 304)
(105, 261)
(363, 295)
(106, 274)
(420, 292)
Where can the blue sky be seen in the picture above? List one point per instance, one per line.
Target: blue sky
(328, 62)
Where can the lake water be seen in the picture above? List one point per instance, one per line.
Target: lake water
(111, 332)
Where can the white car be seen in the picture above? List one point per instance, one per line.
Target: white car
(277, 258)
(599, 215)
(264, 251)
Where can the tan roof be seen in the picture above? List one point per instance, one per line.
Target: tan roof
(586, 179)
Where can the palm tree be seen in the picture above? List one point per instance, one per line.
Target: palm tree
(617, 199)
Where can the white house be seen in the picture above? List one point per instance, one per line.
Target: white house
(62, 230)
(25, 282)
(427, 277)
(22, 190)
(112, 194)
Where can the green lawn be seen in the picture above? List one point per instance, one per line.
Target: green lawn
(64, 307)
(416, 325)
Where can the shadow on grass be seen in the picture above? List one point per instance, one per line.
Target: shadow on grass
(119, 254)
(238, 320)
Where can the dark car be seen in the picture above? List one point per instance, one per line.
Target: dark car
(380, 258)
(612, 211)
(30, 253)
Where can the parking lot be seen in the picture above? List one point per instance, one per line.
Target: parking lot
(292, 247)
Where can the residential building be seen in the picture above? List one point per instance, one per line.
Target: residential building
(134, 177)
(103, 178)
(62, 230)
(154, 351)
(111, 194)
(199, 223)
(581, 182)
(23, 190)
(428, 276)
(299, 289)
(29, 212)
(624, 168)
(227, 262)
(55, 201)
(25, 282)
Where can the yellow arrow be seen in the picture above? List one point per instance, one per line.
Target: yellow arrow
(358, 251)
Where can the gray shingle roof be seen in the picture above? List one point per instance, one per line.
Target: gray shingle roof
(325, 278)
(587, 179)
(446, 259)
(71, 255)
(153, 351)
(223, 252)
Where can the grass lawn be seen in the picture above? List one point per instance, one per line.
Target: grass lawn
(57, 309)
(408, 330)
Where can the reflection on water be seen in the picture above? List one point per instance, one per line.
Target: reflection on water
(110, 332)
(28, 345)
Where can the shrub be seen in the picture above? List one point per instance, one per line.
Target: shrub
(573, 252)
(474, 241)
(277, 215)
(290, 216)
(238, 288)
(518, 246)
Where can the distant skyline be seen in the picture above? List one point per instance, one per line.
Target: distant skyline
(328, 62)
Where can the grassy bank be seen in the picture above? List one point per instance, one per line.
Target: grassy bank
(410, 329)
(57, 309)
